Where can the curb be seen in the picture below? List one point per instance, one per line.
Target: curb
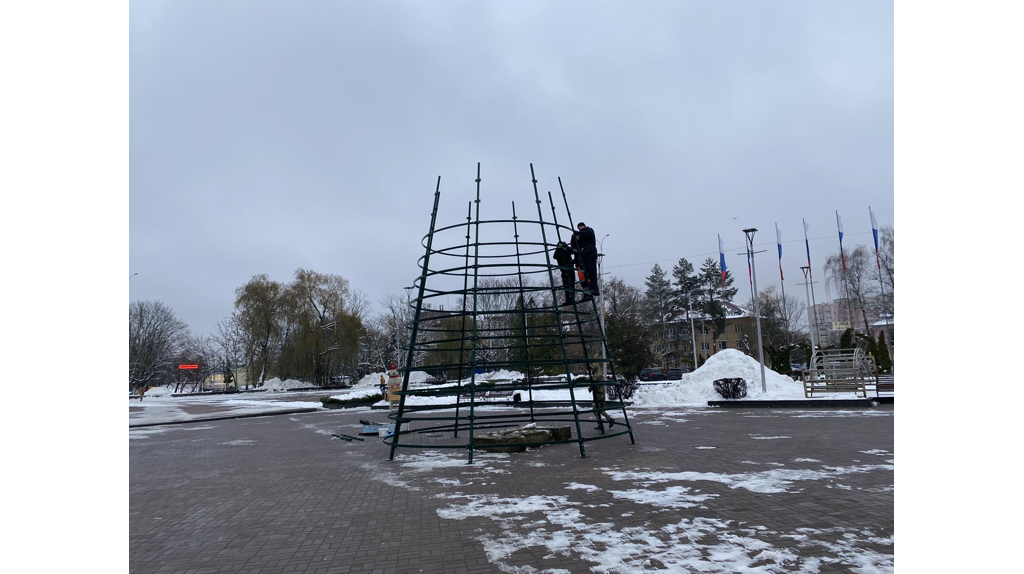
(787, 404)
(228, 417)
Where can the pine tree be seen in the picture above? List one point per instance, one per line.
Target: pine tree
(846, 340)
(712, 292)
(884, 360)
(684, 281)
(658, 293)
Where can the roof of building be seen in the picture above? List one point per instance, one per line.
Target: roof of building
(732, 311)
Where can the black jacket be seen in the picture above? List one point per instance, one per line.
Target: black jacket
(587, 238)
(564, 256)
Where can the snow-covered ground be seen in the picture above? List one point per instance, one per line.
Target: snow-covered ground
(694, 389)
(575, 521)
(159, 406)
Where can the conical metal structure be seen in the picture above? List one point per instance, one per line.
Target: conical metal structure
(507, 334)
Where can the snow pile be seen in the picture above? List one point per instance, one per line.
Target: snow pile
(697, 388)
(361, 393)
(371, 380)
(159, 392)
(277, 384)
(501, 375)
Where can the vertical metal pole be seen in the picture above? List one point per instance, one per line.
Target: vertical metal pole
(693, 334)
(604, 342)
(526, 326)
(757, 306)
(472, 360)
(558, 311)
(817, 326)
(462, 332)
(813, 324)
(558, 232)
(846, 286)
(566, 202)
(415, 322)
(785, 309)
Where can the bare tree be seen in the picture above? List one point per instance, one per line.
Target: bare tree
(397, 319)
(854, 284)
(228, 340)
(887, 261)
(778, 317)
(155, 335)
(199, 351)
(375, 348)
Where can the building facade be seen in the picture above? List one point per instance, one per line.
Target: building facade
(674, 349)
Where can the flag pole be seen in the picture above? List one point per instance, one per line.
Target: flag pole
(881, 283)
(846, 285)
(757, 307)
(813, 314)
(782, 281)
(810, 274)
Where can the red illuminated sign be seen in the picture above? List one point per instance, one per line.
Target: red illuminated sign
(183, 367)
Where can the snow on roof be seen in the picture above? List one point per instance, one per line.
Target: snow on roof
(732, 311)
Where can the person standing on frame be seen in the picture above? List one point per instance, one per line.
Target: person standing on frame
(598, 390)
(564, 257)
(587, 241)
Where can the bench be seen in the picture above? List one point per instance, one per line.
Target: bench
(838, 371)
(885, 384)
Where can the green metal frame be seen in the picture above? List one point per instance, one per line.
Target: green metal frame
(577, 329)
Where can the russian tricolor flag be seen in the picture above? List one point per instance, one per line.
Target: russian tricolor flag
(778, 239)
(874, 231)
(807, 243)
(842, 255)
(721, 258)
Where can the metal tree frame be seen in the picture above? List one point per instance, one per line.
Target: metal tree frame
(544, 340)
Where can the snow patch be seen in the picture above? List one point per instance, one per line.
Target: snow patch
(767, 482)
(671, 497)
(697, 388)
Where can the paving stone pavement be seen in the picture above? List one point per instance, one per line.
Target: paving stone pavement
(708, 490)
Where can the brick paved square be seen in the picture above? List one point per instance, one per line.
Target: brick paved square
(711, 490)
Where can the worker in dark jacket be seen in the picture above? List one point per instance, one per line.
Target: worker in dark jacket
(577, 262)
(564, 257)
(587, 242)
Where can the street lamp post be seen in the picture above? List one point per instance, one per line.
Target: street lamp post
(600, 286)
(757, 307)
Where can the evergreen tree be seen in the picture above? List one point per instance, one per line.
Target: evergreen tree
(658, 294)
(846, 340)
(884, 360)
(629, 339)
(712, 291)
(683, 282)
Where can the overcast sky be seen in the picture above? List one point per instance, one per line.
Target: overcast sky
(268, 136)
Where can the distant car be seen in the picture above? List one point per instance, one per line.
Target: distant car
(675, 374)
(647, 375)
